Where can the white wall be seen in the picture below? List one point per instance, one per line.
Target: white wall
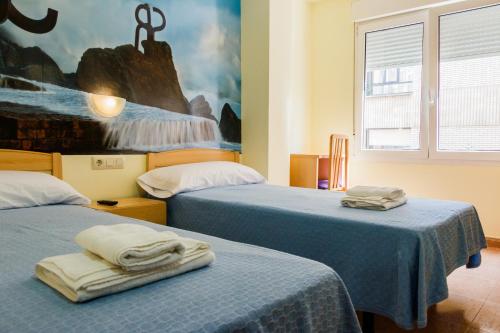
(280, 77)
(367, 9)
(299, 125)
(288, 85)
(275, 84)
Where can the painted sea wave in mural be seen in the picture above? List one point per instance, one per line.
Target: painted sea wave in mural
(138, 128)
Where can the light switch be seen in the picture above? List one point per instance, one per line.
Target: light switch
(107, 163)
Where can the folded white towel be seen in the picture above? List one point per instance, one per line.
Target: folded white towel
(84, 276)
(372, 203)
(135, 247)
(374, 191)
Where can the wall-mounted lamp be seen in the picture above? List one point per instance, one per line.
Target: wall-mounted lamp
(106, 106)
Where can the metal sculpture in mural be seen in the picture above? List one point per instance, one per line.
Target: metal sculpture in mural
(148, 26)
(9, 12)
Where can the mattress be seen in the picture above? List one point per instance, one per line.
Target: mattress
(394, 263)
(247, 288)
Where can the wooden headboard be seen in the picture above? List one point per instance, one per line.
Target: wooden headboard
(31, 161)
(185, 156)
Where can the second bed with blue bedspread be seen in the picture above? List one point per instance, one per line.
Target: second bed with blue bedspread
(394, 263)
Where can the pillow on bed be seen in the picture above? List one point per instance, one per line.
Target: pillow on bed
(21, 189)
(168, 181)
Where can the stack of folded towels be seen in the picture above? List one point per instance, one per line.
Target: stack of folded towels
(121, 257)
(374, 198)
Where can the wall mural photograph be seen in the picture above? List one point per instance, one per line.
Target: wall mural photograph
(136, 77)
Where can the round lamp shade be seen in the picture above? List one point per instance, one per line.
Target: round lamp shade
(105, 106)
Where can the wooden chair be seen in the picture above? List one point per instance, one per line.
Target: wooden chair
(338, 162)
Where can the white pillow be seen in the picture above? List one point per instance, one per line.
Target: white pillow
(168, 181)
(20, 189)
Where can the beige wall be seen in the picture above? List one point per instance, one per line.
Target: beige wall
(274, 103)
(332, 111)
(103, 184)
(332, 71)
(255, 83)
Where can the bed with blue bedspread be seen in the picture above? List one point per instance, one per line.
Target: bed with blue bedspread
(247, 288)
(394, 263)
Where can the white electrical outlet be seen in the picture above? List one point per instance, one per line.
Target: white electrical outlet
(107, 163)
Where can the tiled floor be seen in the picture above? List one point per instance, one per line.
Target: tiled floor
(473, 305)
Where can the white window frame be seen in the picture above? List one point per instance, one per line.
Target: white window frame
(430, 85)
(434, 152)
(360, 73)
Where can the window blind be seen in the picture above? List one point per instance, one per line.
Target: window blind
(471, 34)
(393, 48)
(469, 85)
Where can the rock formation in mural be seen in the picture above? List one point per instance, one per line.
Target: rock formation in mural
(230, 125)
(201, 108)
(148, 78)
(15, 83)
(31, 63)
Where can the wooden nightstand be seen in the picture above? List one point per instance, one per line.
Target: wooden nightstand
(138, 208)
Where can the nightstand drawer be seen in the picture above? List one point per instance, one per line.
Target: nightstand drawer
(138, 208)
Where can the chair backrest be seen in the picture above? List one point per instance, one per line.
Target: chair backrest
(338, 162)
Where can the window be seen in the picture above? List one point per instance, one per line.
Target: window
(428, 83)
(391, 112)
(469, 85)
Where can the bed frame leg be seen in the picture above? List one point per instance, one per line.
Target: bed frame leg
(474, 261)
(368, 322)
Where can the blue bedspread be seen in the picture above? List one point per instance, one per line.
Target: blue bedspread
(393, 263)
(247, 289)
